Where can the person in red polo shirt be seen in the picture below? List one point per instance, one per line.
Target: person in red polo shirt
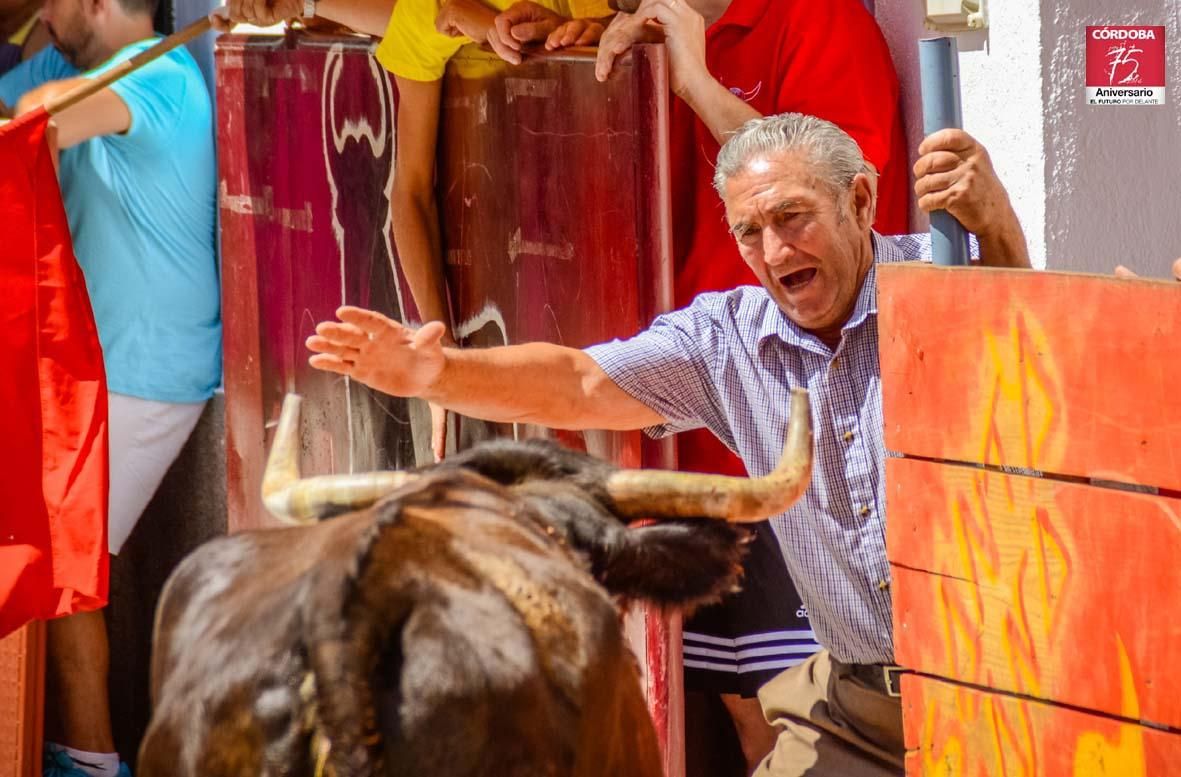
(730, 61)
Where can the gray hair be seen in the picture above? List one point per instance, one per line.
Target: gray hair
(828, 147)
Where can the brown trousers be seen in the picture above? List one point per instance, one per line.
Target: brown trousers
(830, 724)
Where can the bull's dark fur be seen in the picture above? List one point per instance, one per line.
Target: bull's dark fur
(455, 629)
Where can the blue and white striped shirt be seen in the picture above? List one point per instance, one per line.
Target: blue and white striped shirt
(728, 362)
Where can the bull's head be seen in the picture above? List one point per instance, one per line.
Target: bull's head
(451, 629)
(633, 493)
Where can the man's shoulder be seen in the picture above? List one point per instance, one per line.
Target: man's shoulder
(900, 248)
(794, 16)
(744, 301)
(175, 64)
(170, 73)
(168, 98)
(913, 247)
(737, 315)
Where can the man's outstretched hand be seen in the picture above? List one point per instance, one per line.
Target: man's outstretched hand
(379, 352)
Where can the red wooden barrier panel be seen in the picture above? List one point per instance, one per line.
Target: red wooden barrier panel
(305, 157)
(966, 732)
(1064, 373)
(1055, 590)
(22, 697)
(1056, 581)
(554, 202)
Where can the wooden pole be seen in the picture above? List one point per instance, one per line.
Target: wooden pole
(94, 85)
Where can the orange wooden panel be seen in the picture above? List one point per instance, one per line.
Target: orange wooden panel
(1057, 372)
(22, 694)
(1057, 590)
(955, 731)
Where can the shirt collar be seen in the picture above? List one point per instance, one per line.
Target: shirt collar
(777, 324)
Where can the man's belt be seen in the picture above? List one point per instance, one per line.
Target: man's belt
(883, 678)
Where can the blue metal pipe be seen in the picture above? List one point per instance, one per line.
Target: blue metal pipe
(940, 69)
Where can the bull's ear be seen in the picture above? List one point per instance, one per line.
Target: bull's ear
(683, 563)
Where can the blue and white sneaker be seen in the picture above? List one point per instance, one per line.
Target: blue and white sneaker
(57, 763)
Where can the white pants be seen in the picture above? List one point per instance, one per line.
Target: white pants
(145, 438)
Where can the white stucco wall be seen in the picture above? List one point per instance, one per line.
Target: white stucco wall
(1001, 88)
(1093, 186)
(1113, 173)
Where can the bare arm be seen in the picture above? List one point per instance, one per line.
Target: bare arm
(718, 108)
(104, 113)
(537, 383)
(413, 209)
(954, 173)
(684, 35)
(367, 16)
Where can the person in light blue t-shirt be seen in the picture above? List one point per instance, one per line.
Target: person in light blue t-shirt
(138, 181)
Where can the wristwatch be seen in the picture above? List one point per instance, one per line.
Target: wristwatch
(309, 8)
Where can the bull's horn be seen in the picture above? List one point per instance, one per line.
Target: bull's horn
(298, 501)
(659, 494)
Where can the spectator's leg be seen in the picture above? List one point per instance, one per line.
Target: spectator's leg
(145, 438)
(78, 657)
(830, 726)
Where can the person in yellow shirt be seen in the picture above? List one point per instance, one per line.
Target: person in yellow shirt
(419, 37)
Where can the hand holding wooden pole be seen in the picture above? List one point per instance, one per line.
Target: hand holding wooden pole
(940, 71)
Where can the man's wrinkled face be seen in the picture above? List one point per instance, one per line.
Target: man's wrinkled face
(805, 243)
(70, 29)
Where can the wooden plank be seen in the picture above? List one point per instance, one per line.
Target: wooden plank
(22, 698)
(298, 241)
(1056, 372)
(1057, 590)
(574, 259)
(955, 731)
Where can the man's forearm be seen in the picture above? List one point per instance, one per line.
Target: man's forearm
(536, 383)
(367, 16)
(1004, 246)
(416, 236)
(718, 108)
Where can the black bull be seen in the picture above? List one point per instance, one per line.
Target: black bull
(464, 625)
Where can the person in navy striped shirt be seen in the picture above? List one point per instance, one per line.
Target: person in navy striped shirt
(800, 201)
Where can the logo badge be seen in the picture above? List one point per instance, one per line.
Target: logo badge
(1125, 65)
(747, 94)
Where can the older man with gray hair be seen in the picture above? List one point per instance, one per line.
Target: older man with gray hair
(800, 202)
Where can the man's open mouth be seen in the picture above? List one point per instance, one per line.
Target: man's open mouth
(798, 279)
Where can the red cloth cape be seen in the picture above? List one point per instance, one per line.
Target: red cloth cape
(53, 398)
